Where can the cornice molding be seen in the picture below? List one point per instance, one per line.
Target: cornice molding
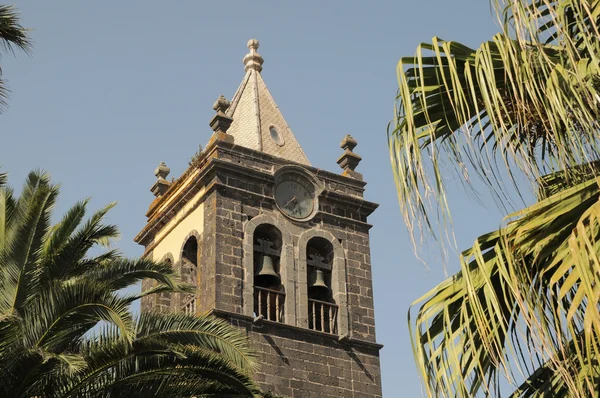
(343, 340)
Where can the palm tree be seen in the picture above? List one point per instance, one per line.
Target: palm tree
(524, 106)
(66, 328)
(12, 35)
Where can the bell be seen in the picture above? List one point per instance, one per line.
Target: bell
(317, 281)
(266, 274)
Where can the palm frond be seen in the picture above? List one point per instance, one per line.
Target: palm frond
(35, 206)
(12, 34)
(158, 289)
(70, 310)
(71, 260)
(53, 294)
(121, 273)
(7, 212)
(158, 364)
(517, 100)
(60, 233)
(202, 330)
(546, 381)
(524, 292)
(522, 105)
(192, 371)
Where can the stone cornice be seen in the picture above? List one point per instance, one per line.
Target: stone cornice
(350, 200)
(157, 224)
(271, 161)
(212, 161)
(351, 341)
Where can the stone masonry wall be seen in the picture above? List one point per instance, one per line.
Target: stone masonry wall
(295, 361)
(234, 208)
(299, 363)
(360, 286)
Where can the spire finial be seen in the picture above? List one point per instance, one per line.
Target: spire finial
(161, 185)
(349, 160)
(162, 171)
(253, 60)
(220, 122)
(253, 44)
(221, 104)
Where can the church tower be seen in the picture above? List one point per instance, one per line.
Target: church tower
(275, 246)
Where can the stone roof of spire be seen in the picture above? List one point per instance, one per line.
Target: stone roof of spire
(257, 121)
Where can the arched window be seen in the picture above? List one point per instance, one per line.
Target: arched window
(269, 293)
(189, 273)
(280, 244)
(322, 309)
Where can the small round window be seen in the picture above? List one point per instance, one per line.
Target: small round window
(276, 136)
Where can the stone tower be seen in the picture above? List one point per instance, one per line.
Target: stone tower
(275, 246)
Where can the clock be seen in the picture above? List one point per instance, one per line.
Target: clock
(295, 195)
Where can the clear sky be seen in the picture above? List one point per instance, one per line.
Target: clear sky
(114, 87)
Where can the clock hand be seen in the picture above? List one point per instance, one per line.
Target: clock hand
(292, 200)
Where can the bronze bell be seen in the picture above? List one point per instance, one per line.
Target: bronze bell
(317, 281)
(266, 274)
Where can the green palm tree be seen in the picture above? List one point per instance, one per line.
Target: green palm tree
(66, 328)
(524, 106)
(12, 36)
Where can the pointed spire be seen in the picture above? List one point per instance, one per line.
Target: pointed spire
(253, 60)
(257, 121)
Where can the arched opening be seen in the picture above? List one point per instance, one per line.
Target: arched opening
(269, 293)
(189, 273)
(322, 309)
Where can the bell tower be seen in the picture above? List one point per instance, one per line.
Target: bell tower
(275, 246)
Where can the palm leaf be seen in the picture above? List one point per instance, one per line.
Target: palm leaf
(53, 294)
(59, 235)
(7, 212)
(521, 104)
(121, 273)
(71, 310)
(546, 381)
(529, 283)
(204, 330)
(524, 104)
(197, 363)
(35, 205)
(70, 260)
(12, 36)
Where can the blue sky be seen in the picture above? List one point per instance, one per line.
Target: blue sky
(112, 88)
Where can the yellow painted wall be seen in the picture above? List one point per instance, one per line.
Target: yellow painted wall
(178, 229)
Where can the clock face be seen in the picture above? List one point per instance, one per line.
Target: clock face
(295, 197)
